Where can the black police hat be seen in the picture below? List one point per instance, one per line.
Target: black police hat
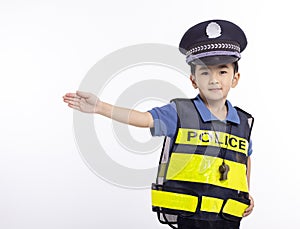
(213, 42)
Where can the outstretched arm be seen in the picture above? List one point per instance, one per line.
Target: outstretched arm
(89, 103)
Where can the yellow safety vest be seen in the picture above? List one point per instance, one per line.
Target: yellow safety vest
(188, 181)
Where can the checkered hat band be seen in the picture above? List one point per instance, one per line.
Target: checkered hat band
(222, 46)
(191, 58)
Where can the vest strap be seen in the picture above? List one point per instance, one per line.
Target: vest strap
(189, 203)
(174, 200)
(235, 208)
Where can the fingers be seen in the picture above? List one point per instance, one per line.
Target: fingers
(77, 95)
(249, 210)
(73, 106)
(71, 96)
(82, 101)
(72, 100)
(83, 94)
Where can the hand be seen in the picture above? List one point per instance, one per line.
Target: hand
(249, 210)
(82, 101)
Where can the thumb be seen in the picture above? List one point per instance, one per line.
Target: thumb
(83, 94)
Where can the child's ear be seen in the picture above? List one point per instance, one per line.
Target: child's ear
(193, 80)
(235, 79)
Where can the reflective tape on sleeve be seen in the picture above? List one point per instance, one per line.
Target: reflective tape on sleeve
(173, 200)
(205, 169)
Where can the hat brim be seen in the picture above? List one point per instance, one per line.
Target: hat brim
(215, 60)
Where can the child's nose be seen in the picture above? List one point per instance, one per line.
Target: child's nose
(213, 78)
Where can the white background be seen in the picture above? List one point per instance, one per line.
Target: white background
(46, 49)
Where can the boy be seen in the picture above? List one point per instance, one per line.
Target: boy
(204, 170)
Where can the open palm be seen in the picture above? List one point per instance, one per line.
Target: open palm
(82, 101)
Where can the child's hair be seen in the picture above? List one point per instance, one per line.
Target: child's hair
(235, 66)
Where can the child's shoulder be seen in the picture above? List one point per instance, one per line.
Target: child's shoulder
(243, 112)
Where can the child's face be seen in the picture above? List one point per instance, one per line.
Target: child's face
(214, 82)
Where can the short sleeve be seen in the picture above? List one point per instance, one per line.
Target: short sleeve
(165, 120)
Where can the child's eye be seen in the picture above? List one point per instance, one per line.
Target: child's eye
(223, 72)
(204, 73)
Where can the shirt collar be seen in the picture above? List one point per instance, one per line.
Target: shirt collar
(206, 115)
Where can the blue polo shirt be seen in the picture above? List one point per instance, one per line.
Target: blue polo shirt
(165, 118)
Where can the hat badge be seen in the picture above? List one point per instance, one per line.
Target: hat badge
(213, 30)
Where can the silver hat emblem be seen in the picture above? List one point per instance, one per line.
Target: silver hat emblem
(213, 30)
